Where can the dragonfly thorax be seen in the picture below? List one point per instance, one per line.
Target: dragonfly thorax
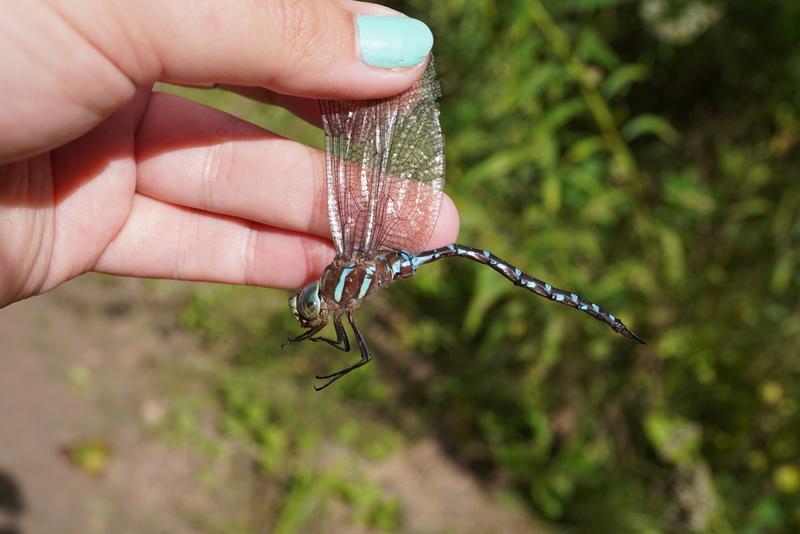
(345, 283)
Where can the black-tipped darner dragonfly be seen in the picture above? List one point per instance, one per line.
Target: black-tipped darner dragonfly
(385, 175)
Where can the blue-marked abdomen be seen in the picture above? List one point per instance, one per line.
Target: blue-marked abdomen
(543, 289)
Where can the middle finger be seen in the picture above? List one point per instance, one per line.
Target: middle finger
(196, 156)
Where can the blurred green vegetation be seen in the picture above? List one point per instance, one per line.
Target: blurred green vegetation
(640, 152)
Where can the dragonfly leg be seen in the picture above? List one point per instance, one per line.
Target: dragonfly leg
(342, 342)
(365, 356)
(308, 334)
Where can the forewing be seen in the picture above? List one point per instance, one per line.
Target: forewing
(385, 169)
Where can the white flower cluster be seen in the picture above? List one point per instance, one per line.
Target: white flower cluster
(682, 28)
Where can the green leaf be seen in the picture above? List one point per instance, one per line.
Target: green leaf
(551, 193)
(91, 456)
(79, 377)
(674, 256)
(586, 148)
(584, 5)
(783, 273)
(542, 77)
(489, 288)
(560, 114)
(592, 49)
(498, 165)
(787, 478)
(675, 439)
(685, 191)
(650, 124)
(622, 78)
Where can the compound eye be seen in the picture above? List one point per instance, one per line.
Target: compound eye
(308, 302)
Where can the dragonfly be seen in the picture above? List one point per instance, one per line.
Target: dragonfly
(385, 170)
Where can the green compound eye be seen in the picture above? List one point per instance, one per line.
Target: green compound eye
(308, 301)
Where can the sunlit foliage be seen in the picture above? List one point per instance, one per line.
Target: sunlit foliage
(650, 166)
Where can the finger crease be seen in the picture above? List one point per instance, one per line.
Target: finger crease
(187, 236)
(251, 254)
(218, 166)
(211, 166)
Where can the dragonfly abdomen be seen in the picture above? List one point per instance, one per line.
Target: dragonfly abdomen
(519, 278)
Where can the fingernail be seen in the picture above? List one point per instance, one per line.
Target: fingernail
(393, 42)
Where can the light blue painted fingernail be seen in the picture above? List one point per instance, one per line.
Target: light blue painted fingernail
(393, 42)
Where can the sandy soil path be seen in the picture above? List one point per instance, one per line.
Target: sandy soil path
(57, 355)
(79, 365)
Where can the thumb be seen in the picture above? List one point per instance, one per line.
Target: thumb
(69, 64)
(309, 48)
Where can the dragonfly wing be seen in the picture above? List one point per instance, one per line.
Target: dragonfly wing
(385, 169)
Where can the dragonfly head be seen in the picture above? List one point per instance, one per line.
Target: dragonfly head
(308, 306)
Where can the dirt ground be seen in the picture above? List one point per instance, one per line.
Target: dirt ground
(78, 374)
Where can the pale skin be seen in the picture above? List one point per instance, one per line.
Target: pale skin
(100, 173)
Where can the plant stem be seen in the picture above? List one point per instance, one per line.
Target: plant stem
(623, 159)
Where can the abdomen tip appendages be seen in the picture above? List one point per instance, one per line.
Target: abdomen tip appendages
(620, 327)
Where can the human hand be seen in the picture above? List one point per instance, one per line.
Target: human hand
(98, 172)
